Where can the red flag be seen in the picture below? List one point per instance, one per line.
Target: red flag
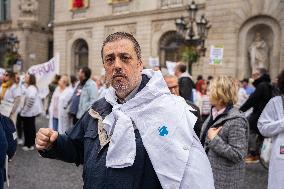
(78, 3)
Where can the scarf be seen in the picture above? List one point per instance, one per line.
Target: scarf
(165, 124)
(5, 86)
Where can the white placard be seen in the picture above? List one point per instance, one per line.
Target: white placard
(171, 67)
(216, 54)
(45, 73)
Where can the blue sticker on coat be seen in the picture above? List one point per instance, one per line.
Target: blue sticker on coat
(163, 131)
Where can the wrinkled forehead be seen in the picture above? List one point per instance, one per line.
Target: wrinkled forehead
(119, 46)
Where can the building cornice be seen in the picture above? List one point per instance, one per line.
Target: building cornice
(124, 16)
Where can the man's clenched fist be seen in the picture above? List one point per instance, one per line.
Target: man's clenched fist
(44, 138)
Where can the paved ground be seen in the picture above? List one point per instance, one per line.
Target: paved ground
(29, 171)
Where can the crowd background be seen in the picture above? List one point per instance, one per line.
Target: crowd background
(228, 111)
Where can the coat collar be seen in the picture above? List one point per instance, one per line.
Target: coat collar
(104, 108)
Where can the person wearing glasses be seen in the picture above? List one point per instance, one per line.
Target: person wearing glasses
(172, 83)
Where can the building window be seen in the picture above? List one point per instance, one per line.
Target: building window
(50, 49)
(51, 12)
(3, 40)
(169, 3)
(170, 44)
(4, 10)
(80, 54)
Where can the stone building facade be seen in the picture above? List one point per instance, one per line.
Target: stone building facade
(235, 24)
(28, 20)
(79, 32)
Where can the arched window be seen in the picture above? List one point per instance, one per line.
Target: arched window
(170, 43)
(81, 54)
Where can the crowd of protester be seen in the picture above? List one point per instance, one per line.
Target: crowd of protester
(233, 116)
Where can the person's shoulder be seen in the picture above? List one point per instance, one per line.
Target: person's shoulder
(32, 89)
(277, 100)
(90, 82)
(101, 106)
(236, 114)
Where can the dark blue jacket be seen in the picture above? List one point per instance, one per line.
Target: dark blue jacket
(3, 149)
(8, 144)
(81, 145)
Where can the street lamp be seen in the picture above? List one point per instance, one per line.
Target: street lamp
(12, 47)
(12, 43)
(186, 29)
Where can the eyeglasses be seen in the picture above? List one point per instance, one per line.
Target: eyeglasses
(173, 87)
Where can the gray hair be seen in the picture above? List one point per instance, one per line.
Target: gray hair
(122, 35)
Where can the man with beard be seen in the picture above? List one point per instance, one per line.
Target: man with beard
(138, 136)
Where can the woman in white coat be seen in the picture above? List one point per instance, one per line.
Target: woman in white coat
(58, 111)
(271, 124)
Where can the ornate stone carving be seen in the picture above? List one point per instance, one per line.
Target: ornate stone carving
(28, 7)
(157, 26)
(89, 33)
(69, 35)
(130, 28)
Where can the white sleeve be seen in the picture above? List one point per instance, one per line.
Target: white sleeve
(269, 124)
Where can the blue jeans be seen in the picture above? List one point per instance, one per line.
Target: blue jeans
(55, 123)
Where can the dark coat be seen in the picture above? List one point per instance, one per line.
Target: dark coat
(185, 88)
(8, 144)
(227, 150)
(198, 123)
(3, 149)
(81, 145)
(258, 99)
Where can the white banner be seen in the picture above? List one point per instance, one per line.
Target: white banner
(45, 73)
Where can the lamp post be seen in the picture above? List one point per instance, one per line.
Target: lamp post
(12, 44)
(186, 27)
(12, 47)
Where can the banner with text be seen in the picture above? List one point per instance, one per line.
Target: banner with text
(45, 73)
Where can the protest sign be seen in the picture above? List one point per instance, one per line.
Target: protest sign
(171, 67)
(45, 74)
(216, 54)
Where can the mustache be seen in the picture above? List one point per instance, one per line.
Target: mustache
(119, 74)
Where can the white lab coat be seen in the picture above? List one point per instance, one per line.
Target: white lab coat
(64, 120)
(271, 124)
